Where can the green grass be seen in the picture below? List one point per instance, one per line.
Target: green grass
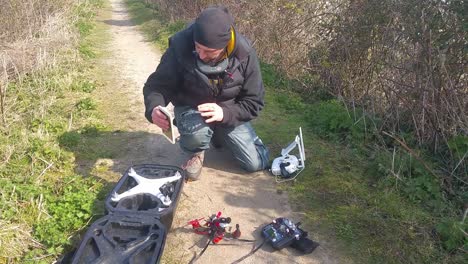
(44, 202)
(351, 196)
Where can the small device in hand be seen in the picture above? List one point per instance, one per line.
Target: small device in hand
(169, 133)
(282, 232)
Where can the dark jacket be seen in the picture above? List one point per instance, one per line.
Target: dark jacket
(178, 80)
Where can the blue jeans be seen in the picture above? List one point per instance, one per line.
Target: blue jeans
(244, 144)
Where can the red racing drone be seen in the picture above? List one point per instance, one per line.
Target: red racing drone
(215, 227)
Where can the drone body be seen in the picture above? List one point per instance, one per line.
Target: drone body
(148, 186)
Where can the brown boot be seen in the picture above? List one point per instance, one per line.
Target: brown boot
(194, 166)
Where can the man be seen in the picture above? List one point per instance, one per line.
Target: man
(212, 76)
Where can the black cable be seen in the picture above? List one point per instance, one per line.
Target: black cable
(235, 244)
(210, 240)
(246, 240)
(195, 257)
(251, 252)
(240, 239)
(203, 251)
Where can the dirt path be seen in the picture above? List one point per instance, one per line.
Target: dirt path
(250, 199)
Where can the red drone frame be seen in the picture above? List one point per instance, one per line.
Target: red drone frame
(215, 227)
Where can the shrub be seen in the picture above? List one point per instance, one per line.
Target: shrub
(453, 234)
(332, 120)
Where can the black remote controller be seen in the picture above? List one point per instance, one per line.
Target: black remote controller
(281, 233)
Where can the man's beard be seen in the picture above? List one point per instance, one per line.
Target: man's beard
(215, 61)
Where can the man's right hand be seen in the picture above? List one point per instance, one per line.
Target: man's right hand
(159, 119)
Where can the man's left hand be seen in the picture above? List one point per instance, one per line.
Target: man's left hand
(211, 111)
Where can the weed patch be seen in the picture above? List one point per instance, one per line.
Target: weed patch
(85, 86)
(69, 210)
(86, 104)
(86, 50)
(449, 231)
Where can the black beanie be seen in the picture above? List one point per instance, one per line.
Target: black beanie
(212, 28)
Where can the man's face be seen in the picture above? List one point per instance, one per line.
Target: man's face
(208, 55)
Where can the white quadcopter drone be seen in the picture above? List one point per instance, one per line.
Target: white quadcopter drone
(149, 186)
(289, 166)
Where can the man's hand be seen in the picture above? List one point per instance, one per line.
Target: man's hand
(159, 119)
(211, 111)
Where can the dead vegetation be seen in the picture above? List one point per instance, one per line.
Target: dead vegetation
(32, 33)
(15, 239)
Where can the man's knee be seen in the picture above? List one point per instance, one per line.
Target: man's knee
(197, 140)
(258, 163)
(252, 166)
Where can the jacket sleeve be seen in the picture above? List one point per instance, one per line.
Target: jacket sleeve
(160, 88)
(250, 100)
